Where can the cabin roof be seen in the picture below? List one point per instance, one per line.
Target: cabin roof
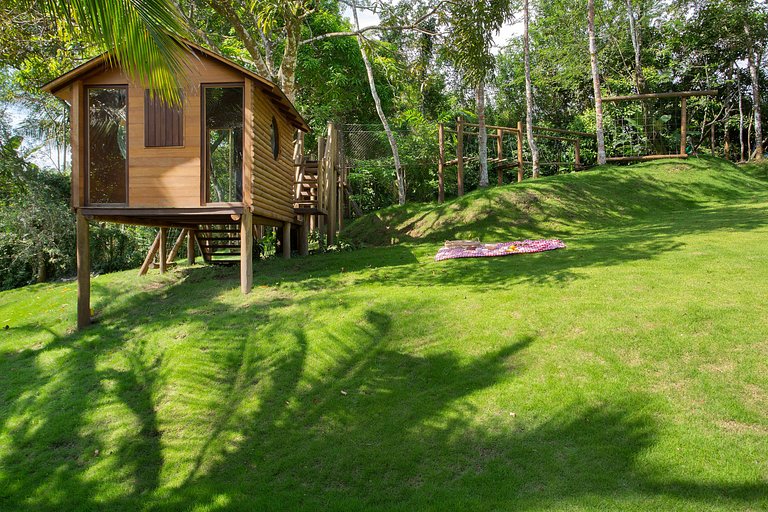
(272, 91)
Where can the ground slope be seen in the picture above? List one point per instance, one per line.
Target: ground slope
(626, 372)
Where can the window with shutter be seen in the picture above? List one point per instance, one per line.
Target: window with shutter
(163, 124)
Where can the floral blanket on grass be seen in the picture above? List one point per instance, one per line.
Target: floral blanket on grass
(500, 249)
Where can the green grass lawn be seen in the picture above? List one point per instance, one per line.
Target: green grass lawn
(626, 372)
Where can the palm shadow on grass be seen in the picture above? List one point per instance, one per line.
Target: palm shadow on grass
(382, 429)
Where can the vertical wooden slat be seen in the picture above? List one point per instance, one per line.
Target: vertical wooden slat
(78, 125)
(83, 273)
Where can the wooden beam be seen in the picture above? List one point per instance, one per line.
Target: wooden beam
(191, 246)
(642, 158)
(83, 273)
(177, 246)
(441, 163)
(460, 155)
(150, 255)
(246, 252)
(162, 255)
(565, 132)
(287, 240)
(519, 151)
(657, 95)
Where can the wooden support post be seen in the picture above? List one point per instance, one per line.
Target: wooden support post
(304, 236)
(191, 246)
(441, 163)
(500, 155)
(683, 124)
(150, 255)
(258, 234)
(83, 273)
(333, 187)
(246, 251)
(519, 151)
(162, 255)
(177, 246)
(286, 240)
(321, 184)
(577, 153)
(460, 155)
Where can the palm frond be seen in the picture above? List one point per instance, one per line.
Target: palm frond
(143, 36)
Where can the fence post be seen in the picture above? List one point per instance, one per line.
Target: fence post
(460, 155)
(441, 163)
(577, 153)
(499, 154)
(683, 124)
(519, 151)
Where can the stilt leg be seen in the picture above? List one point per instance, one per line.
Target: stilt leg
(83, 273)
(286, 240)
(190, 247)
(246, 251)
(162, 252)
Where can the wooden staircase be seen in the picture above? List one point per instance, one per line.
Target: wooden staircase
(219, 243)
(308, 182)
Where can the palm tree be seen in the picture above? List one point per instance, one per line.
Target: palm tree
(145, 41)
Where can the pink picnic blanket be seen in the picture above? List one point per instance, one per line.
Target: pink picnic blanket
(500, 249)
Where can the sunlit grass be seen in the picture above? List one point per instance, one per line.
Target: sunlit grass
(626, 372)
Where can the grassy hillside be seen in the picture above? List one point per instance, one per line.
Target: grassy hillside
(626, 372)
(561, 205)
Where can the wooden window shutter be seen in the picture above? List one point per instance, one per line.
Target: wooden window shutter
(163, 125)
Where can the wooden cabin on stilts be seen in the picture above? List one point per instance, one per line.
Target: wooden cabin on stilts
(219, 167)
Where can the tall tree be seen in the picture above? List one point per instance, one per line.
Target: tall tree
(596, 83)
(754, 56)
(634, 32)
(473, 25)
(529, 91)
(379, 110)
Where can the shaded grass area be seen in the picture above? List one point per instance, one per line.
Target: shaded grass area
(627, 371)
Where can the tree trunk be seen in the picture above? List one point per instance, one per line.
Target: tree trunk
(596, 84)
(42, 269)
(390, 136)
(756, 105)
(529, 92)
(634, 32)
(482, 135)
(287, 73)
(741, 118)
